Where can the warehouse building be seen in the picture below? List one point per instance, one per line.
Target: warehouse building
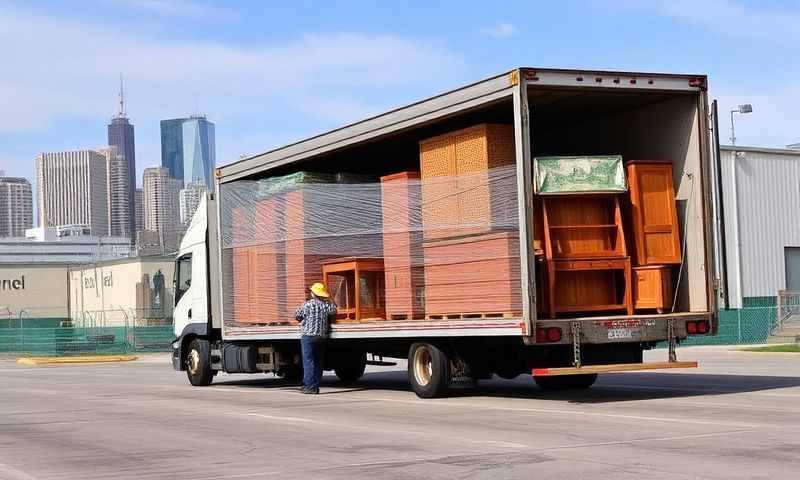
(128, 291)
(131, 291)
(33, 291)
(761, 210)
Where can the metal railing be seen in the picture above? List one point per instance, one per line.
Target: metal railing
(788, 311)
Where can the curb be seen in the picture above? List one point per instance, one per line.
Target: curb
(782, 354)
(86, 359)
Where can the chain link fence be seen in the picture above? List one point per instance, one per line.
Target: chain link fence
(742, 326)
(50, 332)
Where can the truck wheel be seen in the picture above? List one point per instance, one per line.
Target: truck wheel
(428, 370)
(198, 363)
(566, 382)
(350, 366)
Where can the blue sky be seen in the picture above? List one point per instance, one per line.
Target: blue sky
(268, 73)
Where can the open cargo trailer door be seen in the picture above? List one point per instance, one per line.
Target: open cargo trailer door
(625, 109)
(719, 223)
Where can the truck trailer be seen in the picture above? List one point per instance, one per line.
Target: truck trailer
(548, 222)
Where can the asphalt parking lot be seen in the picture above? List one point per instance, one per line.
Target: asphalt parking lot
(738, 416)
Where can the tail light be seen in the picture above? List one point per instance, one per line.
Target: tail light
(700, 327)
(548, 335)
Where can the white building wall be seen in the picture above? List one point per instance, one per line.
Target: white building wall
(761, 194)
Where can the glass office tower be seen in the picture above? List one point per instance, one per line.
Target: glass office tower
(188, 149)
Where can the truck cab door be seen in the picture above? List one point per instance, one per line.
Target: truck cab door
(182, 314)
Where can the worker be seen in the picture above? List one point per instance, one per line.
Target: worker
(314, 317)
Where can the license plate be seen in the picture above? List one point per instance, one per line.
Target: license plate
(616, 333)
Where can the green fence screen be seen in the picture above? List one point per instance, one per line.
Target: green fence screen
(30, 337)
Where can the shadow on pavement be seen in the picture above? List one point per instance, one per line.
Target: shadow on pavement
(611, 387)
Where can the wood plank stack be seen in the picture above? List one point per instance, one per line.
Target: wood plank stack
(473, 275)
(402, 246)
(471, 265)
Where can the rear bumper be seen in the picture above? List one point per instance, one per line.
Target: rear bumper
(625, 329)
(619, 367)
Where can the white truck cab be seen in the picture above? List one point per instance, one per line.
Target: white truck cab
(191, 315)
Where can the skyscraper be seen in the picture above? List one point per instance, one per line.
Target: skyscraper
(122, 173)
(119, 209)
(72, 188)
(188, 149)
(160, 200)
(16, 206)
(139, 209)
(190, 197)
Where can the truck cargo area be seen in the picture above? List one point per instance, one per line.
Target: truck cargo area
(551, 222)
(444, 247)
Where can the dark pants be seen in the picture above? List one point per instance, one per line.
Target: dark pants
(313, 351)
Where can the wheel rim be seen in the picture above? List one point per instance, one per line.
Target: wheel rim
(193, 362)
(423, 366)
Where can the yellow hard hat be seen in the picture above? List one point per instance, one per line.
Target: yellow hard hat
(319, 290)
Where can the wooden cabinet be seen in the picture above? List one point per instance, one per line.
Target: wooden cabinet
(588, 267)
(357, 286)
(459, 196)
(653, 213)
(653, 288)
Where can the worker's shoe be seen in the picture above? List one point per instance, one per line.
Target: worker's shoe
(311, 391)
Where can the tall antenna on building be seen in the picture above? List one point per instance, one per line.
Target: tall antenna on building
(121, 112)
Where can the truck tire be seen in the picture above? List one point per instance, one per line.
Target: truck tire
(198, 363)
(428, 370)
(566, 382)
(350, 366)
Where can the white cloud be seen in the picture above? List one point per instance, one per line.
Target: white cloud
(728, 18)
(60, 68)
(501, 30)
(174, 8)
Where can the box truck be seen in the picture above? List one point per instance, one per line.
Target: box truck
(548, 222)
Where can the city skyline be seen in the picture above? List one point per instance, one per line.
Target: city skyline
(302, 76)
(125, 202)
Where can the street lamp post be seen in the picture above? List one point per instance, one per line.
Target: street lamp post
(744, 108)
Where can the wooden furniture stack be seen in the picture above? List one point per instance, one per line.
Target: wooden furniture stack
(584, 249)
(357, 287)
(654, 220)
(402, 246)
(471, 266)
